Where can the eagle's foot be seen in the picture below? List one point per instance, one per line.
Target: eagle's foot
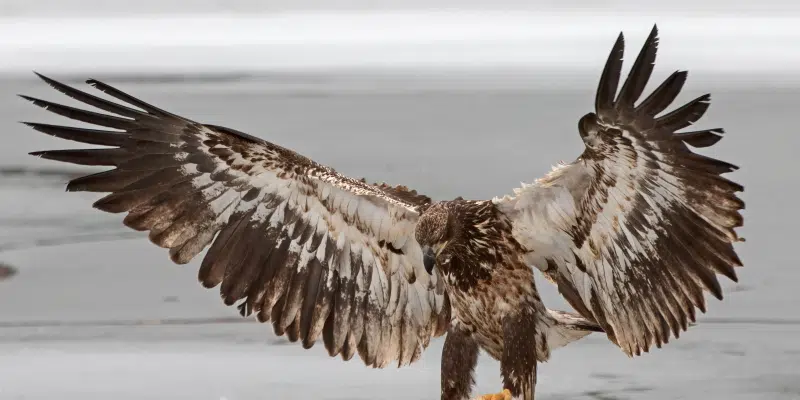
(504, 395)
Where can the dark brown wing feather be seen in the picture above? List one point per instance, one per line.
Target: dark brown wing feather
(291, 241)
(639, 226)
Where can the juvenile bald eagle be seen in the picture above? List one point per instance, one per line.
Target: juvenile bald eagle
(632, 232)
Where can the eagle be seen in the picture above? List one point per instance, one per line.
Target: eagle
(632, 233)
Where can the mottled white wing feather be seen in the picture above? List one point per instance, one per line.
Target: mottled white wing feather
(316, 253)
(638, 227)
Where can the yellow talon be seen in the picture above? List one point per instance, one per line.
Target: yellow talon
(504, 395)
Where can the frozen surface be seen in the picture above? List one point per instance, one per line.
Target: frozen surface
(116, 320)
(239, 361)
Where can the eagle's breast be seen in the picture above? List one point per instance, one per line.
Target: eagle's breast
(481, 308)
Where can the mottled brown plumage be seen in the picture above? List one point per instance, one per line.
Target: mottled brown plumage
(493, 298)
(633, 232)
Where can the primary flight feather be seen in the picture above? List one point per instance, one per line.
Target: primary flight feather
(633, 232)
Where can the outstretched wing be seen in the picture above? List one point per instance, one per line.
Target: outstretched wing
(292, 241)
(635, 229)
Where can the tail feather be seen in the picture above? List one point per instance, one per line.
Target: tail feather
(568, 328)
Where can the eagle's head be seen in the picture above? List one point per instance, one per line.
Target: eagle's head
(464, 239)
(436, 228)
(458, 230)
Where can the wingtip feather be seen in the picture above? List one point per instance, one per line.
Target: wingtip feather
(609, 79)
(48, 80)
(639, 74)
(29, 98)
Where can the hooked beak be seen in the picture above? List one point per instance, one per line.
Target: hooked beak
(428, 259)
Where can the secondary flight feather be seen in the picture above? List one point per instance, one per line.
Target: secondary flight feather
(633, 232)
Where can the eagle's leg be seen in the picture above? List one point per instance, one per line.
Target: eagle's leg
(459, 357)
(518, 361)
(518, 365)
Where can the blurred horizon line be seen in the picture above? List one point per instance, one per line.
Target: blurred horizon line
(381, 40)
